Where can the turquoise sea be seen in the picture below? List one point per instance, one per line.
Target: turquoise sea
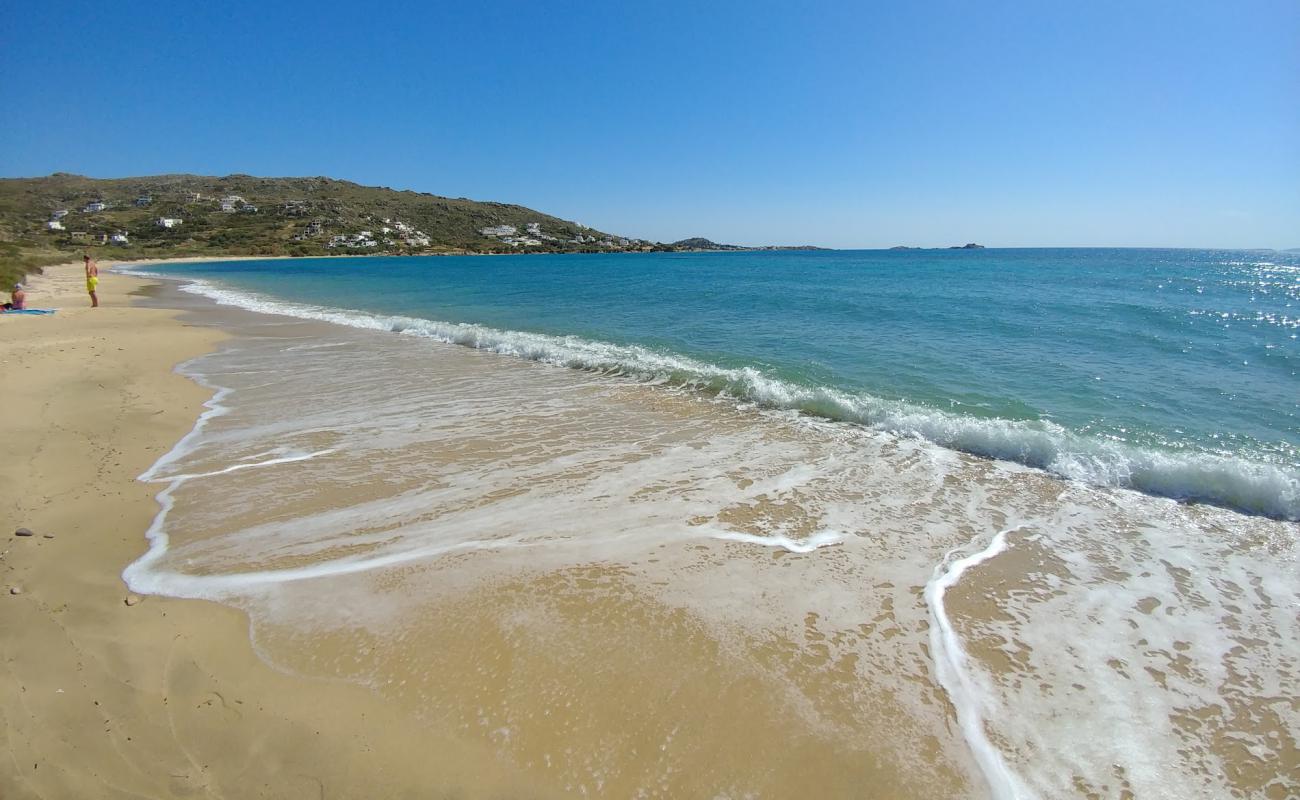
(1173, 372)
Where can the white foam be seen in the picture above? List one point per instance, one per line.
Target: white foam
(825, 538)
(219, 586)
(1257, 487)
(971, 700)
(270, 462)
(139, 574)
(156, 534)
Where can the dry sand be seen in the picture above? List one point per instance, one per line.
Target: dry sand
(106, 695)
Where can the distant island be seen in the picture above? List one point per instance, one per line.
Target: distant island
(701, 244)
(51, 219)
(967, 246)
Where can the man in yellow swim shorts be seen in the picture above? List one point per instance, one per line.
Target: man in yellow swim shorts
(92, 280)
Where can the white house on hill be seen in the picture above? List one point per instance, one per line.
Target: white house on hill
(168, 222)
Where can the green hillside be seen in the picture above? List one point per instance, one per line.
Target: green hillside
(272, 216)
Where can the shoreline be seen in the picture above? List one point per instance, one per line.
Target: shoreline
(104, 693)
(1186, 477)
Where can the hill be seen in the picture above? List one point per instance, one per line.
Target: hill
(53, 218)
(700, 243)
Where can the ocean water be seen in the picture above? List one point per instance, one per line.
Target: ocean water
(1173, 372)
(770, 524)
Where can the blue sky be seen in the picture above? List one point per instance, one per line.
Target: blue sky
(847, 124)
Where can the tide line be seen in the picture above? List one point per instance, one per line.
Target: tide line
(137, 572)
(236, 467)
(950, 664)
(819, 539)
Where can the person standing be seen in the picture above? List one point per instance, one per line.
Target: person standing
(92, 280)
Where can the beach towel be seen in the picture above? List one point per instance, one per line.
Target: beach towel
(28, 311)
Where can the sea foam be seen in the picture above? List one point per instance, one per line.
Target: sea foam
(968, 696)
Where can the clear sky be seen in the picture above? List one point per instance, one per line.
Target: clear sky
(843, 124)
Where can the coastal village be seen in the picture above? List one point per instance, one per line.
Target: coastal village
(390, 233)
(393, 232)
(534, 237)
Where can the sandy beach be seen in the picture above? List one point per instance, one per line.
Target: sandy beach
(417, 569)
(105, 694)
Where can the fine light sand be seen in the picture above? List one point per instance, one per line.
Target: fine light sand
(103, 694)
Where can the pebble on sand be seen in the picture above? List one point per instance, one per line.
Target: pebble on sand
(133, 599)
(23, 532)
(15, 590)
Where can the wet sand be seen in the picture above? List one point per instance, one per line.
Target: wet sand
(103, 694)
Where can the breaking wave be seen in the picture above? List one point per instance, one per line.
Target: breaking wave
(1253, 487)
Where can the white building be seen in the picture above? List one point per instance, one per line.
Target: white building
(54, 225)
(353, 240)
(119, 238)
(95, 207)
(499, 230)
(60, 214)
(168, 222)
(535, 228)
(231, 203)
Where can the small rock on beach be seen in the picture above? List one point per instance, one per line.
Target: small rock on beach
(133, 599)
(15, 590)
(23, 532)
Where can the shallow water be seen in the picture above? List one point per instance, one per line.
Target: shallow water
(649, 591)
(1170, 371)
